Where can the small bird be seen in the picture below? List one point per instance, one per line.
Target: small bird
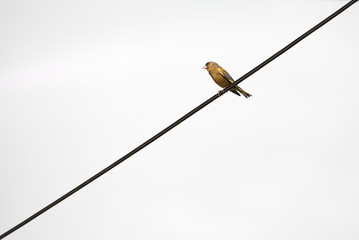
(223, 79)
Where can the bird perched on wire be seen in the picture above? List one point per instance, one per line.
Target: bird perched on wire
(223, 79)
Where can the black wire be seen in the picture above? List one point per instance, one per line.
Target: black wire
(290, 45)
(158, 135)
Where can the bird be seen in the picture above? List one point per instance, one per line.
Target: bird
(223, 79)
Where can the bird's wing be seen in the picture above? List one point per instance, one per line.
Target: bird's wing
(225, 75)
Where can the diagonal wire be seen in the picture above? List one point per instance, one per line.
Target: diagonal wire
(290, 45)
(189, 114)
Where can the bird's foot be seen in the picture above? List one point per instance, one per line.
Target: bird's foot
(220, 93)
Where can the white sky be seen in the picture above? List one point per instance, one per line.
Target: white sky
(84, 82)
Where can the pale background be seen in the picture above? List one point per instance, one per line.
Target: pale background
(84, 82)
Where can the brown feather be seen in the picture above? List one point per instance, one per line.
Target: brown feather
(222, 78)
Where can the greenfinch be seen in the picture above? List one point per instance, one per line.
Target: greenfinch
(223, 79)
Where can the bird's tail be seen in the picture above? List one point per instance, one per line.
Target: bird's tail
(247, 95)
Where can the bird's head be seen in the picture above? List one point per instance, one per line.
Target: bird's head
(209, 65)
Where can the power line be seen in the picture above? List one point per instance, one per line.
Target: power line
(290, 45)
(189, 114)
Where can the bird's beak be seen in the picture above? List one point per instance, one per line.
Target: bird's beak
(204, 67)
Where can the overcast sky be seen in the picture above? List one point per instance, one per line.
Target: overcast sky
(84, 82)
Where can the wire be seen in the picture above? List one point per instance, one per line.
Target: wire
(189, 114)
(290, 45)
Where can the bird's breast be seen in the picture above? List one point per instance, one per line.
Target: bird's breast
(219, 79)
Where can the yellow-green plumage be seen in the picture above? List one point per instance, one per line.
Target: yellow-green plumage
(223, 79)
